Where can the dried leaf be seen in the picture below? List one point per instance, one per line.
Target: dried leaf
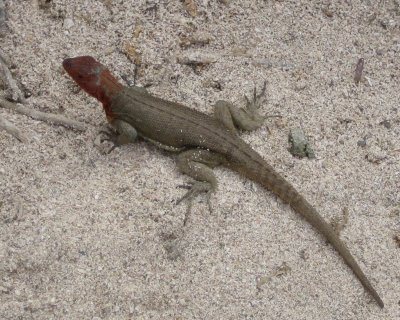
(133, 54)
(191, 7)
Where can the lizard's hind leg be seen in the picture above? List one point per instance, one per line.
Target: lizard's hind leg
(246, 118)
(198, 164)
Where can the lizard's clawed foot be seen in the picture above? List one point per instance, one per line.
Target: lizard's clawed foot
(253, 105)
(111, 136)
(107, 135)
(195, 189)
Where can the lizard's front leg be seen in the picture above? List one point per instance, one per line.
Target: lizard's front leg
(126, 133)
(198, 164)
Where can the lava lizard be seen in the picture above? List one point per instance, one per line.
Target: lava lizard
(203, 141)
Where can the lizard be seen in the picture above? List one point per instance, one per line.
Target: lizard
(202, 141)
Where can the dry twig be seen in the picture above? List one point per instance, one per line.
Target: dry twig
(43, 116)
(11, 129)
(15, 94)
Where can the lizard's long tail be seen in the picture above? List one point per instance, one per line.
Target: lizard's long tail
(264, 174)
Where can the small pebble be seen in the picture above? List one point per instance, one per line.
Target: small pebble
(68, 23)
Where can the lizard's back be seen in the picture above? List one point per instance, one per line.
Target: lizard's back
(174, 124)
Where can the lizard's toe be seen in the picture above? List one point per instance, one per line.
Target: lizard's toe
(195, 189)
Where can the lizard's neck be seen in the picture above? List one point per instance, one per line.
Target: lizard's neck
(109, 87)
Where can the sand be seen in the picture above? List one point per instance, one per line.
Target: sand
(90, 235)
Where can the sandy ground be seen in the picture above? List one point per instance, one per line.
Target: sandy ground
(90, 235)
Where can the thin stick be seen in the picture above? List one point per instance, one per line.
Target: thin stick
(43, 116)
(5, 74)
(11, 129)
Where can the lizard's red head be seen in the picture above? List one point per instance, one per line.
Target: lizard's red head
(93, 77)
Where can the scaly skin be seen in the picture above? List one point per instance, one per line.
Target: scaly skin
(209, 141)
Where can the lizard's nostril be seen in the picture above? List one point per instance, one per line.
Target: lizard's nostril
(67, 63)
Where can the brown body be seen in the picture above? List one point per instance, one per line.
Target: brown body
(177, 127)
